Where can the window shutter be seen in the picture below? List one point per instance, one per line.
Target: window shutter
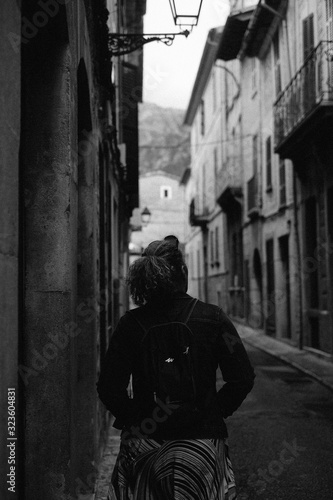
(255, 154)
(211, 247)
(217, 250)
(329, 20)
(268, 162)
(308, 36)
(283, 193)
(202, 117)
(277, 63)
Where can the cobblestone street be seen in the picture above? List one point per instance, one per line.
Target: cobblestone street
(107, 463)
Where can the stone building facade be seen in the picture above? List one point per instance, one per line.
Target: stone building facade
(206, 233)
(68, 114)
(303, 128)
(163, 195)
(272, 179)
(269, 292)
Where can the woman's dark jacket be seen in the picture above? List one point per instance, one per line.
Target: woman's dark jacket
(217, 343)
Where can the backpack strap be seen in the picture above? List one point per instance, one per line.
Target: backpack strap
(190, 311)
(193, 304)
(139, 323)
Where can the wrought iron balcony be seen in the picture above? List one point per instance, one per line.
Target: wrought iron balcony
(307, 100)
(197, 219)
(228, 185)
(230, 197)
(253, 205)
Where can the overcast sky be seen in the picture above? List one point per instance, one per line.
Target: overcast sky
(169, 72)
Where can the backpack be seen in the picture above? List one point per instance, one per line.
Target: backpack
(169, 369)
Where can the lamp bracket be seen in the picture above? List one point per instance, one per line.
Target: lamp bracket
(120, 44)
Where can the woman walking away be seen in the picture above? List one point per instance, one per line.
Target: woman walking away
(174, 438)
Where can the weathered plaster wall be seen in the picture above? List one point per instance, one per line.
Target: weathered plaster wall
(46, 133)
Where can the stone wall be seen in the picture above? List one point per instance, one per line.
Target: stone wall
(10, 84)
(57, 144)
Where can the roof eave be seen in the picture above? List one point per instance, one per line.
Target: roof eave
(233, 33)
(262, 28)
(207, 61)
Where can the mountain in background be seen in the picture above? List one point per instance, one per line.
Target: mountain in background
(164, 141)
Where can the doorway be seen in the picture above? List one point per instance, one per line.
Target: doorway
(270, 323)
(257, 314)
(284, 304)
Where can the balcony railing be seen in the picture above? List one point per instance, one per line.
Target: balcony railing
(196, 218)
(311, 87)
(252, 197)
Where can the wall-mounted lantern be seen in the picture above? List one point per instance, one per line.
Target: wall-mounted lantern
(145, 216)
(185, 12)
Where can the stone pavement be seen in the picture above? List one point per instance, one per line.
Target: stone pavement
(107, 463)
(307, 362)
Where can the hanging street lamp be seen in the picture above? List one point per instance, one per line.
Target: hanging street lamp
(185, 12)
(145, 216)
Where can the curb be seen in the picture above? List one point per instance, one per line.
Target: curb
(258, 340)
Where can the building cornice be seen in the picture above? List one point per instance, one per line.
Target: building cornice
(161, 173)
(207, 61)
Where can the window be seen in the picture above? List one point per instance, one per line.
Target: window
(191, 265)
(215, 179)
(236, 258)
(310, 233)
(204, 190)
(282, 176)
(166, 192)
(254, 76)
(215, 165)
(214, 89)
(309, 84)
(255, 155)
(308, 36)
(277, 63)
(270, 312)
(233, 146)
(217, 247)
(198, 264)
(202, 117)
(212, 247)
(269, 162)
(329, 33)
(329, 19)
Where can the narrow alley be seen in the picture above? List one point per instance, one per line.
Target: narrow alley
(280, 438)
(218, 137)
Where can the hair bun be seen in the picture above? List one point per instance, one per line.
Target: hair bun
(154, 249)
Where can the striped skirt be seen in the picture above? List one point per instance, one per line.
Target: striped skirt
(189, 469)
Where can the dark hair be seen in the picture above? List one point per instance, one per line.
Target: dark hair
(158, 273)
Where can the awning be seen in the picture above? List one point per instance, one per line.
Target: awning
(264, 22)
